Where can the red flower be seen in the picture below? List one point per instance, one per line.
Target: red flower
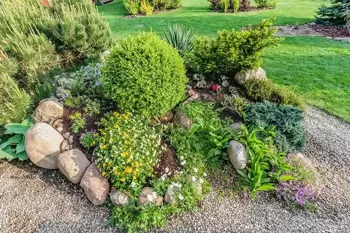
(215, 87)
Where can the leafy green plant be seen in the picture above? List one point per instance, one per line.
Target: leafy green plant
(232, 51)
(287, 120)
(234, 103)
(266, 3)
(225, 5)
(265, 164)
(127, 151)
(180, 37)
(13, 146)
(144, 74)
(88, 139)
(261, 90)
(335, 13)
(132, 6)
(78, 122)
(92, 107)
(146, 7)
(236, 4)
(14, 101)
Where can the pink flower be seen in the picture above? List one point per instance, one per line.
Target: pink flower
(215, 87)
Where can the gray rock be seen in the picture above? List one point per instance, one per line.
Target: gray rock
(182, 120)
(60, 129)
(48, 110)
(245, 75)
(73, 164)
(64, 145)
(237, 155)
(70, 139)
(57, 123)
(96, 187)
(148, 196)
(170, 195)
(66, 135)
(118, 197)
(236, 127)
(43, 145)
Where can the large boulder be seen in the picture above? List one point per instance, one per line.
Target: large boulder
(48, 110)
(73, 164)
(237, 155)
(96, 187)
(42, 144)
(245, 75)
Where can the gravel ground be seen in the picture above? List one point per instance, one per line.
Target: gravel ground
(37, 200)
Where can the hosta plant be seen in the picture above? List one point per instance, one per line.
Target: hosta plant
(13, 146)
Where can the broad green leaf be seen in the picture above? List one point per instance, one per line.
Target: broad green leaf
(16, 129)
(20, 147)
(22, 156)
(266, 187)
(5, 155)
(27, 122)
(242, 174)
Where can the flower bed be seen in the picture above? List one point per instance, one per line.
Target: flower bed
(132, 134)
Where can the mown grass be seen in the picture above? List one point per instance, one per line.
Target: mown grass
(197, 15)
(315, 67)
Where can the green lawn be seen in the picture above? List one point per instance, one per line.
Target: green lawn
(314, 67)
(197, 15)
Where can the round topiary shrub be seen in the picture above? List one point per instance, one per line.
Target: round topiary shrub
(144, 74)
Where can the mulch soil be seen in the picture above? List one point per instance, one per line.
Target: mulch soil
(330, 31)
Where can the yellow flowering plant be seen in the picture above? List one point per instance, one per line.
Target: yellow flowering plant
(127, 149)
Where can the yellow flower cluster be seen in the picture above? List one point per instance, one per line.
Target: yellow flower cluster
(128, 149)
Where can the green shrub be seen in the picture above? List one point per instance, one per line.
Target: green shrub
(335, 13)
(233, 51)
(266, 3)
(38, 38)
(236, 4)
(261, 90)
(144, 74)
(288, 121)
(146, 7)
(132, 6)
(180, 37)
(14, 102)
(128, 149)
(78, 122)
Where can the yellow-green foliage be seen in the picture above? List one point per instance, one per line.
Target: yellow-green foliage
(14, 101)
(233, 51)
(146, 7)
(127, 150)
(144, 74)
(37, 38)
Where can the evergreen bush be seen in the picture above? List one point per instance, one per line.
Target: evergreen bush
(38, 37)
(335, 14)
(287, 120)
(144, 74)
(14, 102)
(231, 52)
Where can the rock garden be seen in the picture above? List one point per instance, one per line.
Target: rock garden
(145, 125)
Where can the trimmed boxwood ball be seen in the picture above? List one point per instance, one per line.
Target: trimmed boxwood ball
(144, 74)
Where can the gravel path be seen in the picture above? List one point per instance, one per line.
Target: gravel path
(37, 200)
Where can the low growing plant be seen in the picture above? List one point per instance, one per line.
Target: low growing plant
(88, 139)
(265, 166)
(266, 3)
(265, 90)
(13, 147)
(127, 150)
(78, 122)
(287, 120)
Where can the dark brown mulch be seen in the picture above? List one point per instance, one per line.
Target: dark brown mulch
(330, 31)
(168, 160)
